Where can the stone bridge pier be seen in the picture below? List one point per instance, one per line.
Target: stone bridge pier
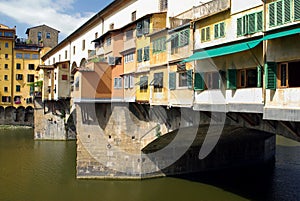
(137, 141)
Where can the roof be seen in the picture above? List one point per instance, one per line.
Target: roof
(50, 67)
(27, 31)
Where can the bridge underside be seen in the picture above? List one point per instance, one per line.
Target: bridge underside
(135, 141)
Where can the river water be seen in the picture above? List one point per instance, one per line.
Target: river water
(45, 171)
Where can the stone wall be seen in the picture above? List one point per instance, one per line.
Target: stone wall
(17, 116)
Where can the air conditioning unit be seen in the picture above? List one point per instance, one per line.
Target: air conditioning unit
(111, 61)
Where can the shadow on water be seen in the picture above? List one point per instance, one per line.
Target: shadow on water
(274, 181)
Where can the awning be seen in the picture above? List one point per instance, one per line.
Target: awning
(282, 34)
(229, 49)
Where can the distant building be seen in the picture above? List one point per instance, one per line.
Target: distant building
(44, 35)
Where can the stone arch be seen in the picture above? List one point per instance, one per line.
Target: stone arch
(20, 114)
(83, 62)
(29, 114)
(2, 113)
(10, 114)
(73, 67)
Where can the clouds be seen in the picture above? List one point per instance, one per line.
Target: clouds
(58, 14)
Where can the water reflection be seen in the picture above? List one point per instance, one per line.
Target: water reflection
(45, 171)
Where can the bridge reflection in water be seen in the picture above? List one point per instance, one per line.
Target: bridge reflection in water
(43, 170)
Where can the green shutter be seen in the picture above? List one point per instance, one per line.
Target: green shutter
(251, 18)
(207, 33)
(172, 80)
(279, 12)
(190, 79)
(222, 29)
(146, 53)
(239, 26)
(216, 30)
(297, 9)
(259, 71)
(202, 35)
(231, 79)
(287, 11)
(270, 71)
(245, 25)
(272, 14)
(259, 21)
(140, 55)
(199, 81)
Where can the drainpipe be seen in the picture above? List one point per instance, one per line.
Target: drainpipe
(264, 51)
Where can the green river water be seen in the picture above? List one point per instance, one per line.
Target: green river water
(45, 171)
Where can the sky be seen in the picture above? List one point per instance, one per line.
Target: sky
(63, 15)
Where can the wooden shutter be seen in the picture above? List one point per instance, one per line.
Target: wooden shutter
(251, 18)
(172, 80)
(199, 81)
(202, 35)
(287, 11)
(146, 53)
(207, 33)
(270, 73)
(190, 79)
(272, 14)
(216, 30)
(297, 9)
(231, 79)
(239, 26)
(140, 55)
(279, 12)
(259, 21)
(222, 29)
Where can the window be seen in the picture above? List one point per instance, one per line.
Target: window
(64, 77)
(205, 34)
(6, 99)
(64, 66)
(249, 24)
(142, 27)
(219, 30)
(6, 56)
(5, 89)
(19, 55)
(163, 5)
(129, 58)
(30, 66)
(129, 34)
(6, 45)
(6, 66)
(53, 60)
(247, 78)
(18, 88)
(212, 80)
(182, 79)
(128, 81)
(140, 55)
(59, 58)
(26, 56)
(180, 39)
(66, 54)
(18, 67)
(17, 99)
(280, 12)
(158, 82)
(48, 35)
(108, 41)
(19, 76)
(133, 16)
(143, 83)
(30, 78)
(159, 45)
(74, 49)
(83, 44)
(35, 56)
(8, 34)
(5, 77)
(39, 36)
(96, 35)
(287, 75)
(118, 83)
(147, 53)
